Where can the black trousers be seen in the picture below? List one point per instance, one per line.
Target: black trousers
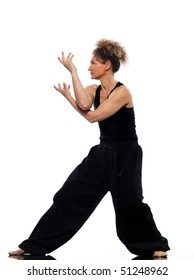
(114, 167)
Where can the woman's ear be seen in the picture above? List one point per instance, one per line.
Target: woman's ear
(108, 65)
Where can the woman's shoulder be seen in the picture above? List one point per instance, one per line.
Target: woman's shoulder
(91, 89)
(125, 94)
(123, 88)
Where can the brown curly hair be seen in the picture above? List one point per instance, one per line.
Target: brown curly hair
(112, 51)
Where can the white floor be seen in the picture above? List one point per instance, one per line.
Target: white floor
(96, 245)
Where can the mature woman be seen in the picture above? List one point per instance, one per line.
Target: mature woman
(113, 165)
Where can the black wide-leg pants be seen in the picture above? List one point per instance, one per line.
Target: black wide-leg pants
(111, 166)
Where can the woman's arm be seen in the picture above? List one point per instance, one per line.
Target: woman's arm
(83, 98)
(121, 97)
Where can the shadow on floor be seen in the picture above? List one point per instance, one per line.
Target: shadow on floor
(49, 257)
(31, 257)
(148, 258)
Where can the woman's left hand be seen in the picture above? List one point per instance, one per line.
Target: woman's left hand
(63, 90)
(67, 62)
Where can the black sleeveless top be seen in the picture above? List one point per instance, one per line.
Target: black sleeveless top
(118, 127)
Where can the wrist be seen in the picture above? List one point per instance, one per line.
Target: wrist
(74, 72)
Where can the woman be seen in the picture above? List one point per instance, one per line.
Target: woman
(114, 165)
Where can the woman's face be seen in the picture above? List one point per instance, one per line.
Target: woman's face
(97, 68)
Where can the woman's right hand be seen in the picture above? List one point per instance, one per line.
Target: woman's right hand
(67, 62)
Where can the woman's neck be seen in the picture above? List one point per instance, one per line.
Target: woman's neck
(108, 84)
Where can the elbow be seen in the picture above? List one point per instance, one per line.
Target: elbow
(91, 118)
(92, 121)
(85, 106)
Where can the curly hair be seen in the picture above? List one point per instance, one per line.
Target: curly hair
(112, 51)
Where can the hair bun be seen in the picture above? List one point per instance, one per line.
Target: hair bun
(113, 48)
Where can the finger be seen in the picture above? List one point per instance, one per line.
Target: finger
(63, 56)
(65, 86)
(60, 59)
(71, 57)
(56, 88)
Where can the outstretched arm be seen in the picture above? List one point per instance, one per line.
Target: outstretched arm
(105, 110)
(83, 99)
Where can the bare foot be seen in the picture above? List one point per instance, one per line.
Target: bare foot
(17, 257)
(160, 254)
(17, 252)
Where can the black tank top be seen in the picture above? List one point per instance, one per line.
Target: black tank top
(118, 127)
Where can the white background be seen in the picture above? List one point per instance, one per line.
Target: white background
(42, 138)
